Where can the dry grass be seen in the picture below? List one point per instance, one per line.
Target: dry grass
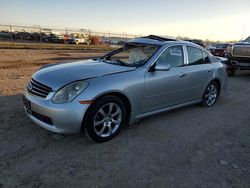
(51, 46)
(17, 65)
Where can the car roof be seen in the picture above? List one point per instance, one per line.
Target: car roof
(152, 40)
(159, 41)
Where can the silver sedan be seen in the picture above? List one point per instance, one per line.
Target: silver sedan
(146, 76)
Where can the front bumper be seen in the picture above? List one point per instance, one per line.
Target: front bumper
(60, 118)
(241, 65)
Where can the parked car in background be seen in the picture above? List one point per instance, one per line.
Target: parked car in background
(238, 55)
(210, 47)
(146, 76)
(219, 50)
(5, 35)
(197, 41)
(54, 38)
(77, 41)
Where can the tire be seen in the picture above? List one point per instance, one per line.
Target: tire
(105, 118)
(230, 72)
(211, 94)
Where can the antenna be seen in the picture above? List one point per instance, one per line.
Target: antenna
(243, 32)
(154, 37)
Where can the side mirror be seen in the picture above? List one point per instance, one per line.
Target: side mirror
(162, 67)
(221, 59)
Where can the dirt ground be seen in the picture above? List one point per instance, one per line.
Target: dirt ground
(17, 66)
(190, 147)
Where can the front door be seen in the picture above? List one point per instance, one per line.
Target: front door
(166, 88)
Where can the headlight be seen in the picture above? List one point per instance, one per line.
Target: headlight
(69, 92)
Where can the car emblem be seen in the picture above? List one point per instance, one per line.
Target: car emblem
(29, 87)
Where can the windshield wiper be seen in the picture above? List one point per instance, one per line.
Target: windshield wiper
(124, 63)
(103, 60)
(116, 62)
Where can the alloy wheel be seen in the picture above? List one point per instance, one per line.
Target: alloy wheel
(107, 119)
(211, 95)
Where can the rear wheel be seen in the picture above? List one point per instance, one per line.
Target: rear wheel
(211, 94)
(105, 119)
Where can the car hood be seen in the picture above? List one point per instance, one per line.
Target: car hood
(242, 43)
(58, 75)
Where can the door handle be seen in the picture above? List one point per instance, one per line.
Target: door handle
(182, 74)
(209, 70)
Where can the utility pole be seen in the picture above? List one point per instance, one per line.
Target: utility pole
(11, 33)
(41, 35)
(243, 32)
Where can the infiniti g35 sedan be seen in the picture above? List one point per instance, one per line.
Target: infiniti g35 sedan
(148, 75)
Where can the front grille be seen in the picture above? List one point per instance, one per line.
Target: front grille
(241, 51)
(38, 89)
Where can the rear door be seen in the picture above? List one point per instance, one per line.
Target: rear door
(200, 72)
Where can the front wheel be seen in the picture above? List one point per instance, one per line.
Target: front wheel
(211, 94)
(105, 119)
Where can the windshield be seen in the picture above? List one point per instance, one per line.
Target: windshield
(131, 55)
(221, 45)
(247, 40)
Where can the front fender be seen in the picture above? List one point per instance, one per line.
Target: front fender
(130, 84)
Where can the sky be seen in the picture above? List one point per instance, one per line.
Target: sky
(202, 19)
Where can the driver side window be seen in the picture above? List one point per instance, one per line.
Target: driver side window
(172, 56)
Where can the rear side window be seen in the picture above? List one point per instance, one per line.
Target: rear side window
(196, 56)
(173, 56)
(205, 57)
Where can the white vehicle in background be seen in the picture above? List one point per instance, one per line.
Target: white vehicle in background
(77, 41)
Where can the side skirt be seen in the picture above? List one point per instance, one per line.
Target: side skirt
(167, 109)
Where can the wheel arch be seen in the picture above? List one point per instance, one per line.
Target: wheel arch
(118, 94)
(217, 81)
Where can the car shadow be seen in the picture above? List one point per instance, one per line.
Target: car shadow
(14, 121)
(245, 74)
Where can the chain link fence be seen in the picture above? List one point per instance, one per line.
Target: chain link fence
(37, 33)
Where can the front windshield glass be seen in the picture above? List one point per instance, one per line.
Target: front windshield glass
(221, 45)
(247, 40)
(131, 55)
